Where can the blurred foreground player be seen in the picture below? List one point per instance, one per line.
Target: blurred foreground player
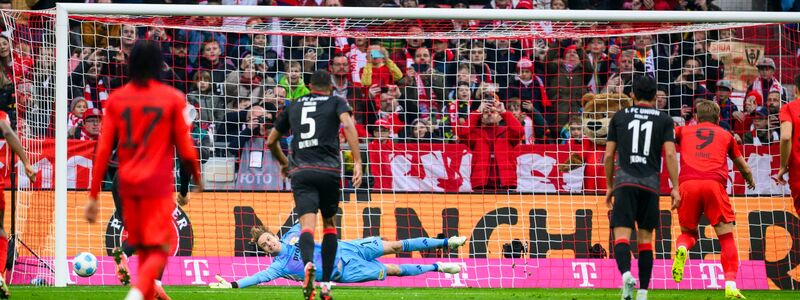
(147, 120)
(314, 168)
(638, 134)
(790, 147)
(13, 142)
(705, 149)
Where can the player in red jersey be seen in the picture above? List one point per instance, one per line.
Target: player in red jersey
(705, 149)
(790, 147)
(147, 120)
(13, 142)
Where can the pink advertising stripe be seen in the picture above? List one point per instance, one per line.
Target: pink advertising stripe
(478, 273)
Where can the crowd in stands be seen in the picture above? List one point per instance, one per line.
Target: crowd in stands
(489, 94)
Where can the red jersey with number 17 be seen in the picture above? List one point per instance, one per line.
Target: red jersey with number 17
(790, 112)
(704, 150)
(145, 123)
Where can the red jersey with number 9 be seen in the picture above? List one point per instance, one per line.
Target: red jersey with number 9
(145, 123)
(704, 150)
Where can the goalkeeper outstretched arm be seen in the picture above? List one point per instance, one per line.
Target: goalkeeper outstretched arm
(264, 276)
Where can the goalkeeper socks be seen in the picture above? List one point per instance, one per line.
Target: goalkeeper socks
(3, 255)
(687, 239)
(645, 264)
(151, 263)
(329, 245)
(729, 256)
(422, 244)
(306, 244)
(622, 253)
(413, 270)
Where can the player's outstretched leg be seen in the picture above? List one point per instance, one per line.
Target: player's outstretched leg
(416, 269)
(151, 264)
(329, 246)
(686, 241)
(159, 291)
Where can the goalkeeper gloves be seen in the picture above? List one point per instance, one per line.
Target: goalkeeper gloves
(220, 284)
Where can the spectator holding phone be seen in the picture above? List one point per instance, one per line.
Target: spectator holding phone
(379, 70)
(493, 132)
(425, 81)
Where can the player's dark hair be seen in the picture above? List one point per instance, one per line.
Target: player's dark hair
(321, 80)
(644, 89)
(145, 62)
(707, 111)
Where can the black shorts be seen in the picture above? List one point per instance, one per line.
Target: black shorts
(316, 190)
(633, 204)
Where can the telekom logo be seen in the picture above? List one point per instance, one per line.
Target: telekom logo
(198, 270)
(457, 278)
(713, 273)
(584, 271)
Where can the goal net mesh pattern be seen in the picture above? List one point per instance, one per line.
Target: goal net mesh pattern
(490, 129)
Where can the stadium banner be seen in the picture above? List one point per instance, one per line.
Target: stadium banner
(421, 167)
(525, 228)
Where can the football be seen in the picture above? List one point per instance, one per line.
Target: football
(84, 264)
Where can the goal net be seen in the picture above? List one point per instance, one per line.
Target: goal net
(490, 129)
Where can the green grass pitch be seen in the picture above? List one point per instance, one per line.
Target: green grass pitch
(196, 292)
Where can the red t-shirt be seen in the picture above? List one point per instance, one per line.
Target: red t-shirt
(704, 150)
(146, 124)
(790, 112)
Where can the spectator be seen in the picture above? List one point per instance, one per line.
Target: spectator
(311, 53)
(599, 62)
(464, 74)
(614, 85)
(499, 4)
(766, 81)
(420, 131)
(515, 107)
(685, 90)
(249, 80)
(502, 59)
(198, 39)
(177, 60)
(761, 134)
(493, 132)
(743, 121)
(661, 99)
(444, 60)
(343, 86)
(774, 108)
(75, 117)
(713, 68)
(259, 122)
(477, 62)
(698, 5)
(259, 47)
(558, 4)
(357, 56)
(127, 38)
(276, 97)
(456, 111)
(382, 133)
(89, 82)
(211, 107)
(399, 108)
(293, 82)
(727, 108)
(89, 128)
(567, 87)
(426, 81)
(653, 57)
(529, 88)
(573, 133)
(379, 70)
(211, 60)
(404, 57)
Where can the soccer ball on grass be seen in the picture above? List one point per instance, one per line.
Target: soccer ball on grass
(84, 264)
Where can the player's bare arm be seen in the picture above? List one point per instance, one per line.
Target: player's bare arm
(672, 168)
(608, 162)
(16, 147)
(747, 174)
(277, 153)
(352, 140)
(786, 148)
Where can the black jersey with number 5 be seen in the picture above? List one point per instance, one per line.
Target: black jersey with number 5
(314, 123)
(640, 133)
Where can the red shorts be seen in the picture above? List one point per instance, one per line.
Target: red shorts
(707, 197)
(148, 221)
(2, 201)
(795, 188)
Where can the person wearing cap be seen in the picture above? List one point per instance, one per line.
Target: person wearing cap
(766, 80)
(727, 108)
(761, 133)
(530, 89)
(89, 128)
(566, 89)
(382, 132)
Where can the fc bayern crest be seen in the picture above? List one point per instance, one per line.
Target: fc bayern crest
(116, 235)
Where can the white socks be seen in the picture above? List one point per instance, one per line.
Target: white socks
(134, 294)
(158, 282)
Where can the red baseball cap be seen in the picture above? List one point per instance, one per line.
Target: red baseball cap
(92, 112)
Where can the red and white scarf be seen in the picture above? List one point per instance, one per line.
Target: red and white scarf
(102, 94)
(758, 88)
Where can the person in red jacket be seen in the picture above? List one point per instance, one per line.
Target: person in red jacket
(493, 132)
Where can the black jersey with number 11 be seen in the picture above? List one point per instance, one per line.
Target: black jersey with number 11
(640, 133)
(314, 123)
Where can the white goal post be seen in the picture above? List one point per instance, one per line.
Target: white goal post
(64, 10)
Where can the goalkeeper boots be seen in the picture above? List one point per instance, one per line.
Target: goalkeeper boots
(325, 292)
(628, 284)
(448, 268)
(308, 281)
(121, 261)
(456, 241)
(679, 264)
(733, 293)
(4, 292)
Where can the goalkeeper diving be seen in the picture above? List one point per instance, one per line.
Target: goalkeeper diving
(356, 260)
